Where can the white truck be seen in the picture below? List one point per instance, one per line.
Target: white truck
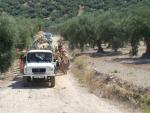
(39, 64)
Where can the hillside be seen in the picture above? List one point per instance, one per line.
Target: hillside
(58, 9)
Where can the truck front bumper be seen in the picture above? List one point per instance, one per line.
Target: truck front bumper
(40, 76)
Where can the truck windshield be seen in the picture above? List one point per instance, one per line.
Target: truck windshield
(39, 57)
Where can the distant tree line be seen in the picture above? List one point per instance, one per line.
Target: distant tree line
(116, 28)
(58, 10)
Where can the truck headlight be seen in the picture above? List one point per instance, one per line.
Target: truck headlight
(26, 70)
(51, 69)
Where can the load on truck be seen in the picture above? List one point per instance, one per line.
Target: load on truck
(39, 63)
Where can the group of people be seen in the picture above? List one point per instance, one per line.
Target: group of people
(62, 60)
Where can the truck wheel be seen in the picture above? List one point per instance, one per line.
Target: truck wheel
(25, 81)
(52, 80)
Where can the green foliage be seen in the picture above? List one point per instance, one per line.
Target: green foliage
(130, 24)
(8, 36)
(14, 33)
(90, 29)
(58, 10)
(113, 27)
(27, 29)
(115, 22)
(76, 31)
(137, 26)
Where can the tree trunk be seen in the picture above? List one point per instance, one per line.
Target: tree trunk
(100, 49)
(147, 52)
(109, 45)
(82, 47)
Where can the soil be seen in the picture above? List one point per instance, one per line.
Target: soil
(66, 97)
(132, 69)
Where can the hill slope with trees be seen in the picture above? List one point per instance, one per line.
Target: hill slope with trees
(117, 28)
(115, 22)
(59, 9)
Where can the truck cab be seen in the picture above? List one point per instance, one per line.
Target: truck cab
(39, 65)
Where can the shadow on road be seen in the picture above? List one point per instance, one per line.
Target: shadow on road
(136, 61)
(100, 54)
(18, 84)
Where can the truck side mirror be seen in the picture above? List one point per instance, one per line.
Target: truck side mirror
(54, 60)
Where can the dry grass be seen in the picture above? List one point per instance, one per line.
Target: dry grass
(81, 71)
(146, 109)
(80, 62)
(8, 74)
(107, 86)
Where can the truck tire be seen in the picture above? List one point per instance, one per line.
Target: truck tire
(25, 81)
(52, 80)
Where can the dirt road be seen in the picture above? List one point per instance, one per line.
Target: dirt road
(66, 97)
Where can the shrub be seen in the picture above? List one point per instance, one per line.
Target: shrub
(8, 37)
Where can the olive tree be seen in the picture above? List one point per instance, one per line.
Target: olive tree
(8, 37)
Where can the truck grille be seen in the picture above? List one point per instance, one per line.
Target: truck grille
(38, 70)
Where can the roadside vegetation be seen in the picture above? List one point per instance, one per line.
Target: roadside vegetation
(15, 33)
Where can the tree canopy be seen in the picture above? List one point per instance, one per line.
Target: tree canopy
(116, 28)
(58, 10)
(14, 33)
